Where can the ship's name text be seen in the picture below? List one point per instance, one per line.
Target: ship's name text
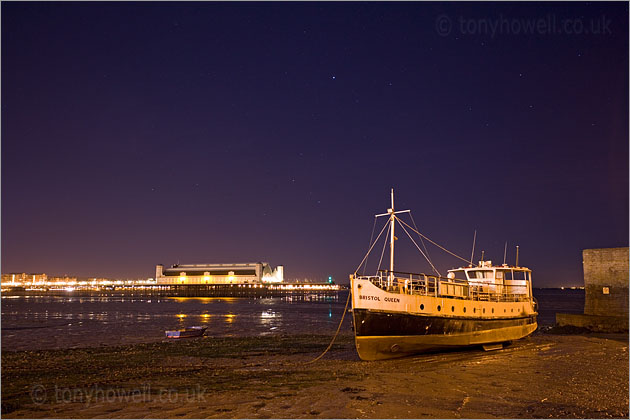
(387, 299)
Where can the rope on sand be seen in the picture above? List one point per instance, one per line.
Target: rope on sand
(336, 333)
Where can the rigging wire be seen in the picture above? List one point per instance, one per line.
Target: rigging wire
(383, 252)
(414, 242)
(371, 237)
(438, 245)
(370, 250)
(422, 242)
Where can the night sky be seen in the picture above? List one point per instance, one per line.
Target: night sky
(138, 134)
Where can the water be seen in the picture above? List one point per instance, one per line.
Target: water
(551, 301)
(47, 322)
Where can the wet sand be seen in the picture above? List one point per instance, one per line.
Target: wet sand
(545, 375)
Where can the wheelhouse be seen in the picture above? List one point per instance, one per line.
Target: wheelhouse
(503, 279)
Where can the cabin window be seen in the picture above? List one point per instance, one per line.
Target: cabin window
(461, 275)
(439, 308)
(480, 274)
(520, 275)
(507, 274)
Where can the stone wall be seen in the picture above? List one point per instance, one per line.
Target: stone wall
(606, 281)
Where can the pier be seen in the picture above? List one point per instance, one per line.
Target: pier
(182, 290)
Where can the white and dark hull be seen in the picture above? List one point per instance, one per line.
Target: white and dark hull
(389, 325)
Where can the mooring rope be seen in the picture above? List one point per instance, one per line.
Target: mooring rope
(336, 333)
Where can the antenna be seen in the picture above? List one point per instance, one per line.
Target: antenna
(472, 254)
(504, 252)
(482, 252)
(517, 255)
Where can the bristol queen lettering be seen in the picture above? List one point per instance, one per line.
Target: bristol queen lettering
(400, 313)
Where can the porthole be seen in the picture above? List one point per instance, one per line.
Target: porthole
(474, 310)
(422, 306)
(512, 309)
(484, 310)
(505, 310)
(464, 309)
(439, 308)
(452, 309)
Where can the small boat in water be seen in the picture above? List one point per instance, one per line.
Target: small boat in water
(399, 313)
(187, 332)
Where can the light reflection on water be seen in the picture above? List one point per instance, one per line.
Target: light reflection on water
(60, 322)
(44, 322)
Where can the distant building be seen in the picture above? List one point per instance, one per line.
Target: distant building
(23, 279)
(62, 280)
(259, 272)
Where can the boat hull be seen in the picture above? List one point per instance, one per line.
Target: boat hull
(388, 334)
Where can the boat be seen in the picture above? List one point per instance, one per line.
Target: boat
(398, 314)
(187, 332)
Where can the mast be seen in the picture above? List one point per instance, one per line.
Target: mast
(391, 213)
(391, 242)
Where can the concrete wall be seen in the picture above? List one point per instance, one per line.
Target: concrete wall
(610, 324)
(606, 268)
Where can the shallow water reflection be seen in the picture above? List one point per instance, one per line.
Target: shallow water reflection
(46, 322)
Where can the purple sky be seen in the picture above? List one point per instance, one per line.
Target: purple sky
(138, 134)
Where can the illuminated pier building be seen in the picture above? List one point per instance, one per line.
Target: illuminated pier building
(197, 274)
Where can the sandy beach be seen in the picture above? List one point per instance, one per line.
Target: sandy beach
(545, 375)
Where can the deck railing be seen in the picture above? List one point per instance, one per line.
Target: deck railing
(429, 285)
